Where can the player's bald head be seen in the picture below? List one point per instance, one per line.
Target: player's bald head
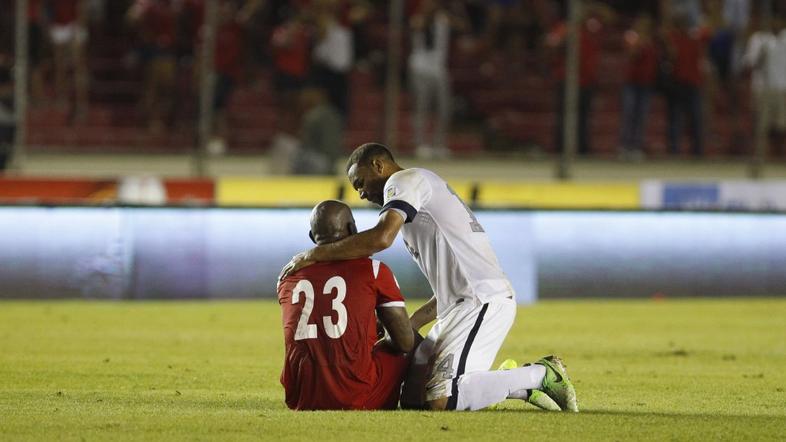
(331, 221)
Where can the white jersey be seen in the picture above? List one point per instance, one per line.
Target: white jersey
(445, 239)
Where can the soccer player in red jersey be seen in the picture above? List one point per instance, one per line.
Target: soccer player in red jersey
(333, 359)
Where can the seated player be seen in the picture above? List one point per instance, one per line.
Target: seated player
(333, 360)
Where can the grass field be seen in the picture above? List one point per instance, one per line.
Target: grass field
(644, 370)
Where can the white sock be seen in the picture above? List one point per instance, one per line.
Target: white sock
(481, 389)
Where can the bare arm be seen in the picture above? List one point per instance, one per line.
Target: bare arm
(425, 314)
(396, 322)
(360, 245)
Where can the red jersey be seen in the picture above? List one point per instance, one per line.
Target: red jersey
(589, 51)
(229, 57)
(34, 11)
(328, 312)
(65, 12)
(291, 50)
(643, 65)
(159, 25)
(689, 47)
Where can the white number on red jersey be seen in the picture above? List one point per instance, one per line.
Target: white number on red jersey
(309, 331)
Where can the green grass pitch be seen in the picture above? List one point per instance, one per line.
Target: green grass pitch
(644, 370)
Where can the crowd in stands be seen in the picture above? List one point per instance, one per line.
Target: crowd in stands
(707, 60)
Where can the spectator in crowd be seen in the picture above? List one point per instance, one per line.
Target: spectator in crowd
(765, 56)
(736, 16)
(359, 18)
(7, 117)
(684, 100)
(321, 134)
(35, 41)
(640, 80)
(69, 33)
(429, 77)
(156, 21)
(228, 64)
(291, 43)
(590, 33)
(333, 54)
(723, 39)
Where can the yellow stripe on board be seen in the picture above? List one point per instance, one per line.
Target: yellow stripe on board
(558, 195)
(307, 191)
(302, 191)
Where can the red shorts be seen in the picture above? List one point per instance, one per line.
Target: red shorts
(392, 369)
(310, 390)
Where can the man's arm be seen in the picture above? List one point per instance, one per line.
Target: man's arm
(401, 336)
(360, 245)
(425, 314)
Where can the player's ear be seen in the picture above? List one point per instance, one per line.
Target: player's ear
(352, 228)
(311, 235)
(377, 165)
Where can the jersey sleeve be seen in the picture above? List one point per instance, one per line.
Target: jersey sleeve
(406, 192)
(388, 292)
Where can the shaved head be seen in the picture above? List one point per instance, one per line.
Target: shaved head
(331, 221)
(369, 168)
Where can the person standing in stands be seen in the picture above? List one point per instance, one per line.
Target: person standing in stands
(687, 49)
(7, 117)
(333, 54)
(590, 34)
(766, 59)
(156, 23)
(429, 77)
(69, 34)
(640, 80)
(228, 64)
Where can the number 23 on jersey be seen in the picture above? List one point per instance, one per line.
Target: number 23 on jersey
(333, 330)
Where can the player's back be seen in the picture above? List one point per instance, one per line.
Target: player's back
(445, 239)
(328, 312)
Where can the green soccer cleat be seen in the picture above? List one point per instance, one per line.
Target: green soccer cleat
(535, 397)
(542, 401)
(557, 385)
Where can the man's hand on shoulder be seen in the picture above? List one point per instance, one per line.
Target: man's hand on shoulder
(302, 259)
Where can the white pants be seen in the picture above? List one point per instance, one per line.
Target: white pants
(466, 339)
(430, 88)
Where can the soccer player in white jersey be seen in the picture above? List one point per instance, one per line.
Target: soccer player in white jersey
(473, 303)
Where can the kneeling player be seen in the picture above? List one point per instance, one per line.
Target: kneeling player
(330, 327)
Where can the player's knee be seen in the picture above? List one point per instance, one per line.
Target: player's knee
(437, 404)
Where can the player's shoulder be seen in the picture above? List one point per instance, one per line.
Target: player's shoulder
(414, 177)
(413, 174)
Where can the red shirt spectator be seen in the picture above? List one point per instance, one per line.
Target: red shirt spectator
(158, 23)
(643, 63)
(229, 42)
(34, 11)
(589, 51)
(64, 12)
(689, 48)
(291, 49)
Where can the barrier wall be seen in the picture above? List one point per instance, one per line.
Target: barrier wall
(157, 253)
(489, 194)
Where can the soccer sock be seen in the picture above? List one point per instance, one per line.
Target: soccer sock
(481, 389)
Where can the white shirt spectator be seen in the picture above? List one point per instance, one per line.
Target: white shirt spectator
(431, 60)
(335, 49)
(766, 56)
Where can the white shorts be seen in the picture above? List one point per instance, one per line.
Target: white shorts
(466, 339)
(66, 34)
